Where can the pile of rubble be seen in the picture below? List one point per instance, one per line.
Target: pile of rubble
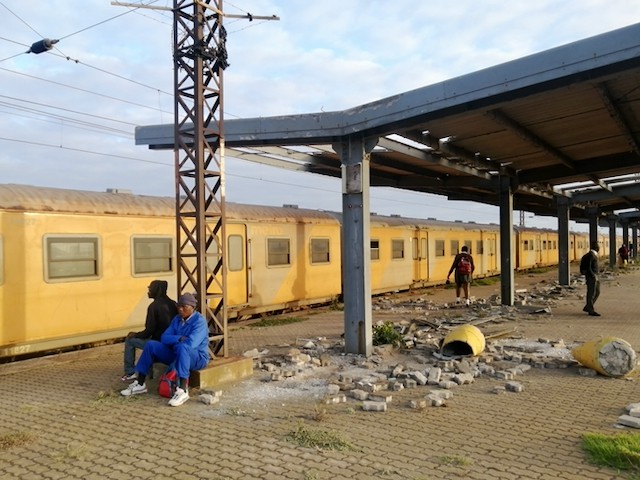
(372, 381)
(417, 362)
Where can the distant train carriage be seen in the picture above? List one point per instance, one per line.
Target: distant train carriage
(74, 266)
(535, 247)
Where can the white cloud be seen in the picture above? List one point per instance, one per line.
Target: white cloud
(326, 55)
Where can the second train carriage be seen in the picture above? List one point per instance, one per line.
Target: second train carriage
(74, 265)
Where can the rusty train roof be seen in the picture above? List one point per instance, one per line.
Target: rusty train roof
(27, 198)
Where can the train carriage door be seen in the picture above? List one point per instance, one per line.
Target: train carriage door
(420, 256)
(490, 253)
(237, 277)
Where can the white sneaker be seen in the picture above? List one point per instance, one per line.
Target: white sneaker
(179, 397)
(134, 389)
(128, 378)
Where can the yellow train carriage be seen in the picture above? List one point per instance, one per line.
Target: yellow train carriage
(408, 252)
(74, 271)
(75, 265)
(292, 258)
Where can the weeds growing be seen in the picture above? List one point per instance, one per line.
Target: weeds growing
(320, 439)
(620, 451)
(15, 439)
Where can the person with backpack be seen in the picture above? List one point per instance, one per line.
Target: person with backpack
(590, 269)
(463, 267)
(623, 251)
(185, 344)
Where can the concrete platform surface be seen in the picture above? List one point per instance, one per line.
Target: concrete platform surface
(62, 417)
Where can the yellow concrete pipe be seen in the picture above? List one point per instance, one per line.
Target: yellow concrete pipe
(463, 340)
(609, 356)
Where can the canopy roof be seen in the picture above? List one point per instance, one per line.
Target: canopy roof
(563, 123)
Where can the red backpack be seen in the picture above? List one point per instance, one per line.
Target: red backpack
(464, 265)
(168, 383)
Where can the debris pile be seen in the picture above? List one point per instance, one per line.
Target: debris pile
(373, 381)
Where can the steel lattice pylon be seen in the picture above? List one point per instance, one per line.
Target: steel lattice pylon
(200, 58)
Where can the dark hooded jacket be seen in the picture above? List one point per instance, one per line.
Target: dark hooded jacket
(159, 313)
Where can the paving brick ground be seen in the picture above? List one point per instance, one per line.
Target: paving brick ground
(75, 425)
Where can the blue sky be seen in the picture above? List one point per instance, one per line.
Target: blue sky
(67, 116)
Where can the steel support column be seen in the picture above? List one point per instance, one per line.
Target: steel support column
(625, 232)
(356, 243)
(613, 250)
(199, 59)
(564, 272)
(634, 236)
(592, 214)
(506, 240)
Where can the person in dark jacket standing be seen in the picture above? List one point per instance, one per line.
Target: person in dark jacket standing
(185, 344)
(159, 315)
(593, 281)
(463, 267)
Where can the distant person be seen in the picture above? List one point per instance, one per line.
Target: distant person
(623, 252)
(592, 272)
(159, 315)
(463, 267)
(185, 344)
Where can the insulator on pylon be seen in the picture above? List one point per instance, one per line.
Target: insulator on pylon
(42, 46)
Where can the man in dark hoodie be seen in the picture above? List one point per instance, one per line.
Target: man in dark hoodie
(159, 315)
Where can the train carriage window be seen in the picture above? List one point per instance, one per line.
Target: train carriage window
(439, 248)
(234, 255)
(319, 250)
(279, 252)
(479, 247)
(468, 243)
(397, 249)
(152, 255)
(375, 249)
(68, 257)
(1, 261)
(525, 245)
(414, 248)
(455, 246)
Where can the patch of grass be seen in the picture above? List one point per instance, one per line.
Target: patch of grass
(319, 413)
(486, 281)
(320, 439)
(336, 305)
(236, 412)
(113, 396)
(72, 451)
(386, 334)
(274, 322)
(15, 439)
(455, 460)
(620, 451)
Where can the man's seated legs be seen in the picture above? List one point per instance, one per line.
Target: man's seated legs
(152, 352)
(130, 345)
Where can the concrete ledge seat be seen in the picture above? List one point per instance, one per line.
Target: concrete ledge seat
(218, 371)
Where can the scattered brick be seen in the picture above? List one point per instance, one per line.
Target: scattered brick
(374, 406)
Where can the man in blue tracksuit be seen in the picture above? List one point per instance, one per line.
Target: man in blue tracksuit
(185, 344)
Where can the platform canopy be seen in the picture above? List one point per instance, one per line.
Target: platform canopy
(563, 123)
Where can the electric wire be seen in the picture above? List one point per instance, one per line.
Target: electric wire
(110, 97)
(101, 117)
(58, 119)
(107, 20)
(40, 144)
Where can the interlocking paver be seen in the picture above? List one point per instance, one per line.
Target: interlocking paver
(79, 432)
